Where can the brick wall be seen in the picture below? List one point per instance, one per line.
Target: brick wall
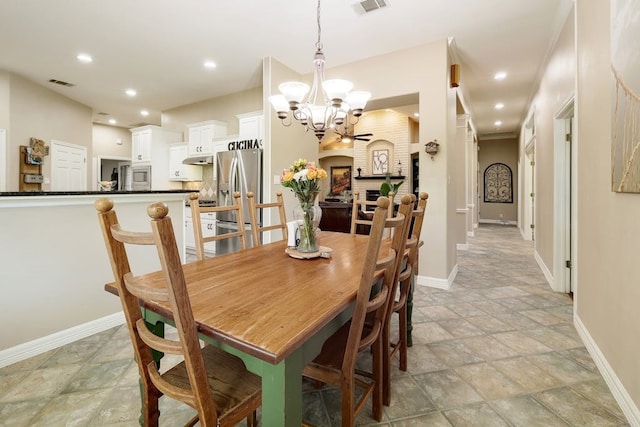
(390, 131)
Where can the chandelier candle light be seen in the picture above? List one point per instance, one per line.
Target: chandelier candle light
(337, 101)
(303, 178)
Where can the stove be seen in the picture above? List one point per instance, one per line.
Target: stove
(203, 203)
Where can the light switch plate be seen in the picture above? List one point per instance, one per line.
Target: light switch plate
(276, 179)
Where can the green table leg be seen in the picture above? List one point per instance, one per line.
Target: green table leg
(410, 311)
(282, 393)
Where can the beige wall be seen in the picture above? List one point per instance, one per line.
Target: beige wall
(223, 108)
(105, 141)
(498, 151)
(423, 70)
(283, 145)
(608, 237)
(556, 88)
(4, 99)
(35, 111)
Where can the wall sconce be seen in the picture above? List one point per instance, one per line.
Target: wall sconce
(431, 148)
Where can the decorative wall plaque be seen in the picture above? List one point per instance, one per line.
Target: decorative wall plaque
(498, 184)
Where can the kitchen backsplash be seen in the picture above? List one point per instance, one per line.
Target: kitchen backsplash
(206, 187)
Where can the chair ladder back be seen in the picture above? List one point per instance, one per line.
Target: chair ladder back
(135, 289)
(196, 210)
(256, 229)
(400, 304)
(198, 388)
(362, 205)
(119, 261)
(375, 307)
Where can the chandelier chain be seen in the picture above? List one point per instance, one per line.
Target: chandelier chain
(318, 43)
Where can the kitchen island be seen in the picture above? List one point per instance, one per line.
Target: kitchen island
(53, 259)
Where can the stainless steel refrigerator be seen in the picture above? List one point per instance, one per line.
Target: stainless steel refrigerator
(238, 170)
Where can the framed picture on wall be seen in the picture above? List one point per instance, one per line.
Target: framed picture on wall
(379, 162)
(340, 179)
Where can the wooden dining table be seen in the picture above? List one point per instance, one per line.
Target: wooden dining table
(271, 310)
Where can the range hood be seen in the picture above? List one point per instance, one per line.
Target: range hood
(198, 160)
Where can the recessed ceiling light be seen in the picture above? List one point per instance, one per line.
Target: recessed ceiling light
(131, 92)
(209, 64)
(499, 106)
(497, 123)
(113, 121)
(500, 75)
(144, 112)
(416, 114)
(83, 57)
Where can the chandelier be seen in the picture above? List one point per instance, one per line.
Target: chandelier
(329, 103)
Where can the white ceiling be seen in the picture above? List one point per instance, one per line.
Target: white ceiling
(158, 47)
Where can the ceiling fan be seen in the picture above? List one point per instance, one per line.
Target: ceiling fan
(348, 138)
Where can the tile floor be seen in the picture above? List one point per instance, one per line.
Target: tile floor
(497, 349)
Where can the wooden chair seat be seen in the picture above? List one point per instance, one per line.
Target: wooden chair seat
(232, 386)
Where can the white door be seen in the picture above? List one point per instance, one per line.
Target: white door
(68, 167)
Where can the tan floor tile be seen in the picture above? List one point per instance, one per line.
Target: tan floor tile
(447, 389)
(475, 415)
(525, 411)
(530, 377)
(576, 409)
(521, 343)
(488, 381)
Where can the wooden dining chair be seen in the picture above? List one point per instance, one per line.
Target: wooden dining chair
(336, 363)
(256, 208)
(400, 298)
(236, 209)
(358, 215)
(210, 380)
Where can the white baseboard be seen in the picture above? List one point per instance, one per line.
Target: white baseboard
(497, 221)
(462, 246)
(38, 346)
(543, 267)
(630, 410)
(434, 282)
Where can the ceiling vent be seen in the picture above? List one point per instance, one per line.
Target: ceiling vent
(103, 114)
(371, 5)
(61, 83)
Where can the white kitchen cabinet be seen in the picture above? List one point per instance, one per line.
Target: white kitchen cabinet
(201, 135)
(141, 146)
(251, 125)
(178, 171)
(150, 145)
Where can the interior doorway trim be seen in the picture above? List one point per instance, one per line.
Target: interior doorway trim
(564, 198)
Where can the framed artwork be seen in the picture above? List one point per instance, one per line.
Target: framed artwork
(498, 184)
(625, 114)
(340, 179)
(379, 162)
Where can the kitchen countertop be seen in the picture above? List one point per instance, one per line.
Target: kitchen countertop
(85, 193)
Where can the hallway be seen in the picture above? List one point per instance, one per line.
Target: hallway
(497, 349)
